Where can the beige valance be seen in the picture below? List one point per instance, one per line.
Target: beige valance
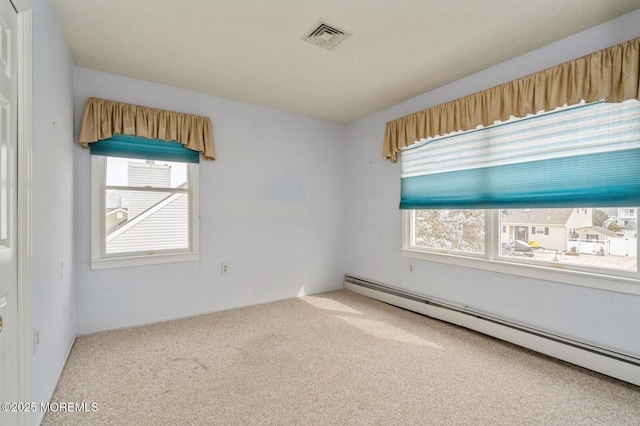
(612, 74)
(102, 119)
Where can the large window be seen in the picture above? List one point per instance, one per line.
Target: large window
(553, 193)
(144, 211)
(575, 238)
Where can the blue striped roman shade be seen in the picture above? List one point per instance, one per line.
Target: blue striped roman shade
(588, 155)
(144, 148)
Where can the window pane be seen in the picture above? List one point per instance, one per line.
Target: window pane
(145, 220)
(586, 237)
(152, 221)
(456, 230)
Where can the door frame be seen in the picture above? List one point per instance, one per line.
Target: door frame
(25, 88)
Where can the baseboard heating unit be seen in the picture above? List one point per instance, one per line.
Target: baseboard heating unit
(611, 363)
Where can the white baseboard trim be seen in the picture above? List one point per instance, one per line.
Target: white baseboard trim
(614, 364)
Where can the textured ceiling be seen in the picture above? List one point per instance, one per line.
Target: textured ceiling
(251, 50)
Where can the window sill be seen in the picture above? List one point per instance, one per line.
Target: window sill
(142, 260)
(546, 272)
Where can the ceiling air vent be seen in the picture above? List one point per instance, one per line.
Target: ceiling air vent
(325, 35)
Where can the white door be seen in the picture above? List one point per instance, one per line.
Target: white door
(8, 210)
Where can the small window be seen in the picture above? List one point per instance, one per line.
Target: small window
(156, 211)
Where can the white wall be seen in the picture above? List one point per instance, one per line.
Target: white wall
(272, 205)
(52, 280)
(374, 220)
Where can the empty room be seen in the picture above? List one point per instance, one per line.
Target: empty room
(319, 212)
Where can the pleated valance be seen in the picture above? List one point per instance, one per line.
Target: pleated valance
(611, 74)
(103, 119)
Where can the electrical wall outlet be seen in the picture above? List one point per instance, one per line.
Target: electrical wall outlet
(412, 268)
(224, 268)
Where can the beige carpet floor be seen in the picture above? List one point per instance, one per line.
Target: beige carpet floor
(329, 359)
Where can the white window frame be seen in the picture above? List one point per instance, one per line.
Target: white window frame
(102, 260)
(492, 260)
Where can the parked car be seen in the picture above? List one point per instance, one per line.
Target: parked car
(522, 248)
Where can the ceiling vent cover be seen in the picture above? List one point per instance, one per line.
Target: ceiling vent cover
(325, 35)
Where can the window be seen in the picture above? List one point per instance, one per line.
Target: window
(517, 196)
(538, 230)
(450, 236)
(449, 230)
(144, 210)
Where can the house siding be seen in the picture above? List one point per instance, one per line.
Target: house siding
(157, 220)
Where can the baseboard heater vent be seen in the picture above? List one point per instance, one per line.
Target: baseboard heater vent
(611, 363)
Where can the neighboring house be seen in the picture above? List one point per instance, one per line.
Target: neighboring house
(115, 216)
(146, 174)
(155, 220)
(551, 228)
(626, 215)
(628, 221)
(626, 218)
(165, 225)
(595, 234)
